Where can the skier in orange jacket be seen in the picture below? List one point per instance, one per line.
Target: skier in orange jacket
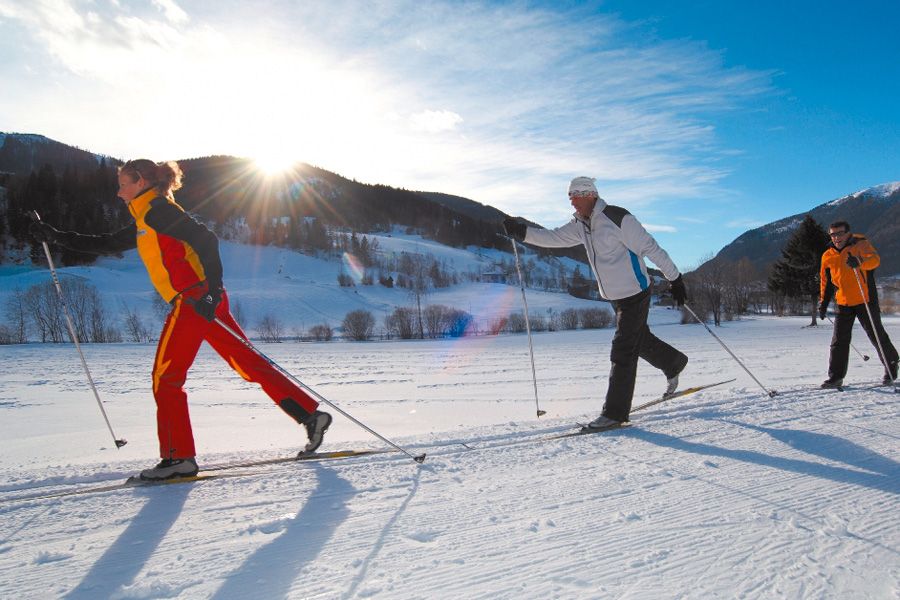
(182, 258)
(847, 274)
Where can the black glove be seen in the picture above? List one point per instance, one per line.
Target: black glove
(515, 229)
(852, 261)
(206, 305)
(823, 310)
(41, 232)
(679, 292)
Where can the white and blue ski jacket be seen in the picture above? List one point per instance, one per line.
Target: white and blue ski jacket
(616, 245)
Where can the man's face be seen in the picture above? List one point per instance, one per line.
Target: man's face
(583, 203)
(839, 236)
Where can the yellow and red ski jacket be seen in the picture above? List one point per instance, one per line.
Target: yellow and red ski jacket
(837, 279)
(178, 252)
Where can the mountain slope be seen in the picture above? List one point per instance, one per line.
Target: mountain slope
(22, 153)
(874, 212)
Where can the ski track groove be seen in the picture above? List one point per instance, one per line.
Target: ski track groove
(716, 490)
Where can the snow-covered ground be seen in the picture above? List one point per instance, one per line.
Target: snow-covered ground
(727, 493)
(302, 291)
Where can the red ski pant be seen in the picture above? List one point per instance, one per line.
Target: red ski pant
(179, 342)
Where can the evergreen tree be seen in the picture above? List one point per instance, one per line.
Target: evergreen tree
(796, 274)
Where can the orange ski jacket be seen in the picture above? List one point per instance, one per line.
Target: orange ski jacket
(838, 280)
(179, 252)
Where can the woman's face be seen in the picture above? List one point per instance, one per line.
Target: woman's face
(129, 188)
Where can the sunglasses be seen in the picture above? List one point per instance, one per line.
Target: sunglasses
(838, 234)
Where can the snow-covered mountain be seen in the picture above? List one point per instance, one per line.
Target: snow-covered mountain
(873, 211)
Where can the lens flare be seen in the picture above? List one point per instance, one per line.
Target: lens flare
(489, 311)
(353, 267)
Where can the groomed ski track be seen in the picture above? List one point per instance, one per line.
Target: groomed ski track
(724, 493)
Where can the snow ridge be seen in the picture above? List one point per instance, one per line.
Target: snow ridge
(882, 191)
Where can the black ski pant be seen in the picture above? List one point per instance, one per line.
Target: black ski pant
(840, 339)
(634, 340)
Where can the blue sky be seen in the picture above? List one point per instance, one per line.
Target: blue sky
(703, 118)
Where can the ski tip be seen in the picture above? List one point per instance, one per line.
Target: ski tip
(420, 458)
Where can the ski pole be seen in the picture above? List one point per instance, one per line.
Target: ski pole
(119, 442)
(527, 328)
(771, 394)
(872, 325)
(863, 356)
(419, 459)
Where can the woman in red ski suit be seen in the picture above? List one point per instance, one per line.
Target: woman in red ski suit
(182, 258)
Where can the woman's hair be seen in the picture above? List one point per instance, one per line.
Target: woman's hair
(165, 177)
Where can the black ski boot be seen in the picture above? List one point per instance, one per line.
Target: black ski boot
(832, 383)
(316, 426)
(603, 423)
(169, 468)
(672, 382)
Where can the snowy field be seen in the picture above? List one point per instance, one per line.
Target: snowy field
(725, 493)
(302, 291)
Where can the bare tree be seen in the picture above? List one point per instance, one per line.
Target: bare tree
(707, 287)
(161, 308)
(358, 324)
(17, 317)
(739, 287)
(568, 319)
(537, 322)
(135, 330)
(433, 320)
(516, 323)
(321, 333)
(237, 311)
(45, 312)
(418, 289)
(270, 329)
(401, 322)
(595, 318)
(82, 301)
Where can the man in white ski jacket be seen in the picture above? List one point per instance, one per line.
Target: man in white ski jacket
(616, 244)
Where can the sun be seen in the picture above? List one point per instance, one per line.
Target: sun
(273, 163)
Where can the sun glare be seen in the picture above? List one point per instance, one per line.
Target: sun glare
(273, 164)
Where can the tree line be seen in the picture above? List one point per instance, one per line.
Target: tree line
(724, 290)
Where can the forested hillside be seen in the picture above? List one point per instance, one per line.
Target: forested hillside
(76, 190)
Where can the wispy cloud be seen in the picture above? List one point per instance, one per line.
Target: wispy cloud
(660, 228)
(501, 103)
(173, 12)
(434, 121)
